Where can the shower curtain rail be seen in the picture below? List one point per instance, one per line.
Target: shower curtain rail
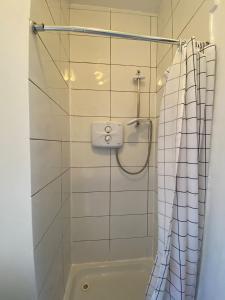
(96, 31)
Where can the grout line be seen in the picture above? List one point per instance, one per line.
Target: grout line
(119, 91)
(108, 191)
(110, 171)
(113, 191)
(150, 80)
(111, 90)
(89, 142)
(109, 166)
(49, 140)
(110, 215)
(113, 239)
(111, 64)
(116, 117)
(104, 9)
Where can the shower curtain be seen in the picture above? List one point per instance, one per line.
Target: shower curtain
(183, 156)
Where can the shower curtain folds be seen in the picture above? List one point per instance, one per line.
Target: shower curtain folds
(183, 157)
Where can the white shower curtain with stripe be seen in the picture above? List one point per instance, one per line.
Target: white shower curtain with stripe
(183, 155)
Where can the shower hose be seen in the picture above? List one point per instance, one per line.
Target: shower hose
(148, 154)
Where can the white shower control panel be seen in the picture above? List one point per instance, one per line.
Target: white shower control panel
(107, 134)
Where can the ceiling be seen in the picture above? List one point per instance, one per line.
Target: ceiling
(150, 6)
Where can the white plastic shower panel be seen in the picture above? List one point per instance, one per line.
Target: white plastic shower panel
(107, 134)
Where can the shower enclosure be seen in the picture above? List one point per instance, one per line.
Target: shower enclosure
(95, 208)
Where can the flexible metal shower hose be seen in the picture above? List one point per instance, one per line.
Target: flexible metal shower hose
(148, 154)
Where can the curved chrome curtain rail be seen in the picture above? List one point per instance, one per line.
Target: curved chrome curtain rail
(42, 27)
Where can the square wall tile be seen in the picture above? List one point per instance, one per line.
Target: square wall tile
(130, 22)
(90, 204)
(45, 115)
(45, 206)
(91, 251)
(90, 103)
(45, 163)
(85, 155)
(89, 18)
(129, 202)
(131, 154)
(46, 251)
(129, 52)
(121, 181)
(128, 226)
(80, 129)
(90, 228)
(122, 78)
(130, 248)
(90, 179)
(90, 76)
(89, 49)
(124, 104)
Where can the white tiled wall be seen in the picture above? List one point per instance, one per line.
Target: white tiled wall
(180, 19)
(112, 212)
(49, 146)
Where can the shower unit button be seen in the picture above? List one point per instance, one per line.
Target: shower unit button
(108, 139)
(108, 129)
(107, 134)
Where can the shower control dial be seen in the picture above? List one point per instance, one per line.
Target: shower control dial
(108, 138)
(108, 129)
